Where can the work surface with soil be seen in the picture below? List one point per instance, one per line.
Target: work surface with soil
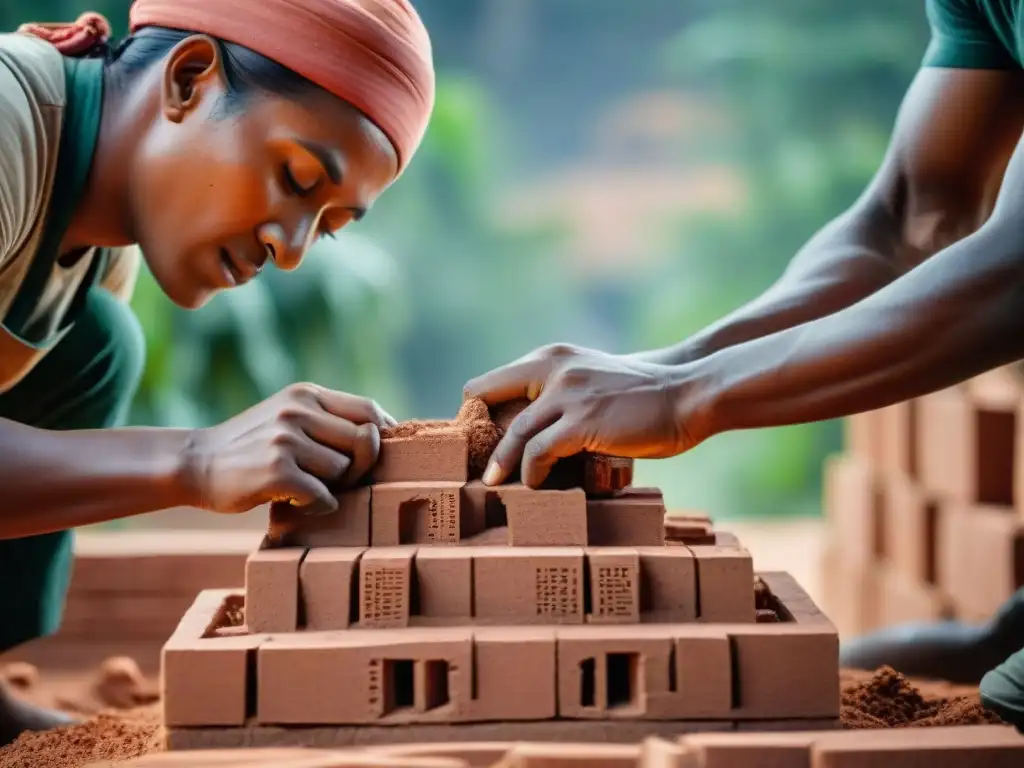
(884, 699)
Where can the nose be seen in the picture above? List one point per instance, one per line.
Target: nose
(284, 245)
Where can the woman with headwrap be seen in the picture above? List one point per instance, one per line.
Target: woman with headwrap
(220, 137)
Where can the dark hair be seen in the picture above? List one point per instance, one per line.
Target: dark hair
(246, 71)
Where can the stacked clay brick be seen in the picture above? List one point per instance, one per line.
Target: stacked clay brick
(951, 747)
(925, 508)
(430, 600)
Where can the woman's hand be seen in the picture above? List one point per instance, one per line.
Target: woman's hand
(585, 400)
(301, 446)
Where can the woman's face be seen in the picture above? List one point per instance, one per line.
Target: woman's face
(217, 195)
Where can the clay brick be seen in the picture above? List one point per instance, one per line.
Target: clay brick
(444, 585)
(991, 746)
(768, 657)
(204, 680)
(633, 517)
(123, 615)
(727, 539)
(967, 450)
(385, 586)
(898, 448)
(690, 529)
(349, 526)
(272, 589)
(862, 437)
(668, 584)
(514, 674)
(267, 757)
(661, 753)
(474, 502)
(911, 522)
(545, 518)
(998, 388)
(605, 475)
(725, 584)
(478, 754)
(789, 725)
(642, 673)
(570, 756)
(751, 750)
(160, 572)
(703, 674)
(415, 513)
(854, 507)
(851, 592)
(365, 677)
(327, 580)
(791, 599)
(614, 674)
(441, 456)
(902, 600)
(614, 585)
(528, 585)
(596, 475)
(980, 560)
(283, 757)
(531, 517)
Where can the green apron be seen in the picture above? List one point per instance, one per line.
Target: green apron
(86, 381)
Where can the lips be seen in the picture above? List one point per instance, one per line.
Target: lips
(237, 270)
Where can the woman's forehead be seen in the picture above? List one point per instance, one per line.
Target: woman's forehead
(328, 123)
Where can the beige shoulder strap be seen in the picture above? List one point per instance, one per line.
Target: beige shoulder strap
(32, 98)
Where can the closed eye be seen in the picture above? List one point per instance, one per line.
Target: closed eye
(294, 185)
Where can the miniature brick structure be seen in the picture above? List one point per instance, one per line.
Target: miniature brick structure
(468, 613)
(925, 508)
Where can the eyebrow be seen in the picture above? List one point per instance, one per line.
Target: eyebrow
(329, 160)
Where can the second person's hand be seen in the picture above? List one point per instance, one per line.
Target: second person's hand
(298, 446)
(586, 400)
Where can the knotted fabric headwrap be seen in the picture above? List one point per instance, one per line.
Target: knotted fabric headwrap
(80, 38)
(374, 54)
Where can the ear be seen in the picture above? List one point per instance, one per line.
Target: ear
(192, 72)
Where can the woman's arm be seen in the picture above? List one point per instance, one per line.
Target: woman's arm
(58, 480)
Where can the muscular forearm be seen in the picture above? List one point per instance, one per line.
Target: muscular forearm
(854, 256)
(957, 315)
(57, 480)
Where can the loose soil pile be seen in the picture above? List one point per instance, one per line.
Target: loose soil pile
(884, 699)
(889, 700)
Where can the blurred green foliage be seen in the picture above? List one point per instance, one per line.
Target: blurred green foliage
(434, 287)
(812, 90)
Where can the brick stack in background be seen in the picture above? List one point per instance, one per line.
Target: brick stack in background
(925, 508)
(129, 590)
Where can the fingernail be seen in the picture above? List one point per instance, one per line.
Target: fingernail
(493, 474)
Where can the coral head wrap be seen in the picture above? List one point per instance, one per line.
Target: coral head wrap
(374, 54)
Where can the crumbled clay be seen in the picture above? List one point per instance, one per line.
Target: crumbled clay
(890, 700)
(473, 420)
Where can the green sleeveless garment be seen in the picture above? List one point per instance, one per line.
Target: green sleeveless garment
(86, 379)
(975, 34)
